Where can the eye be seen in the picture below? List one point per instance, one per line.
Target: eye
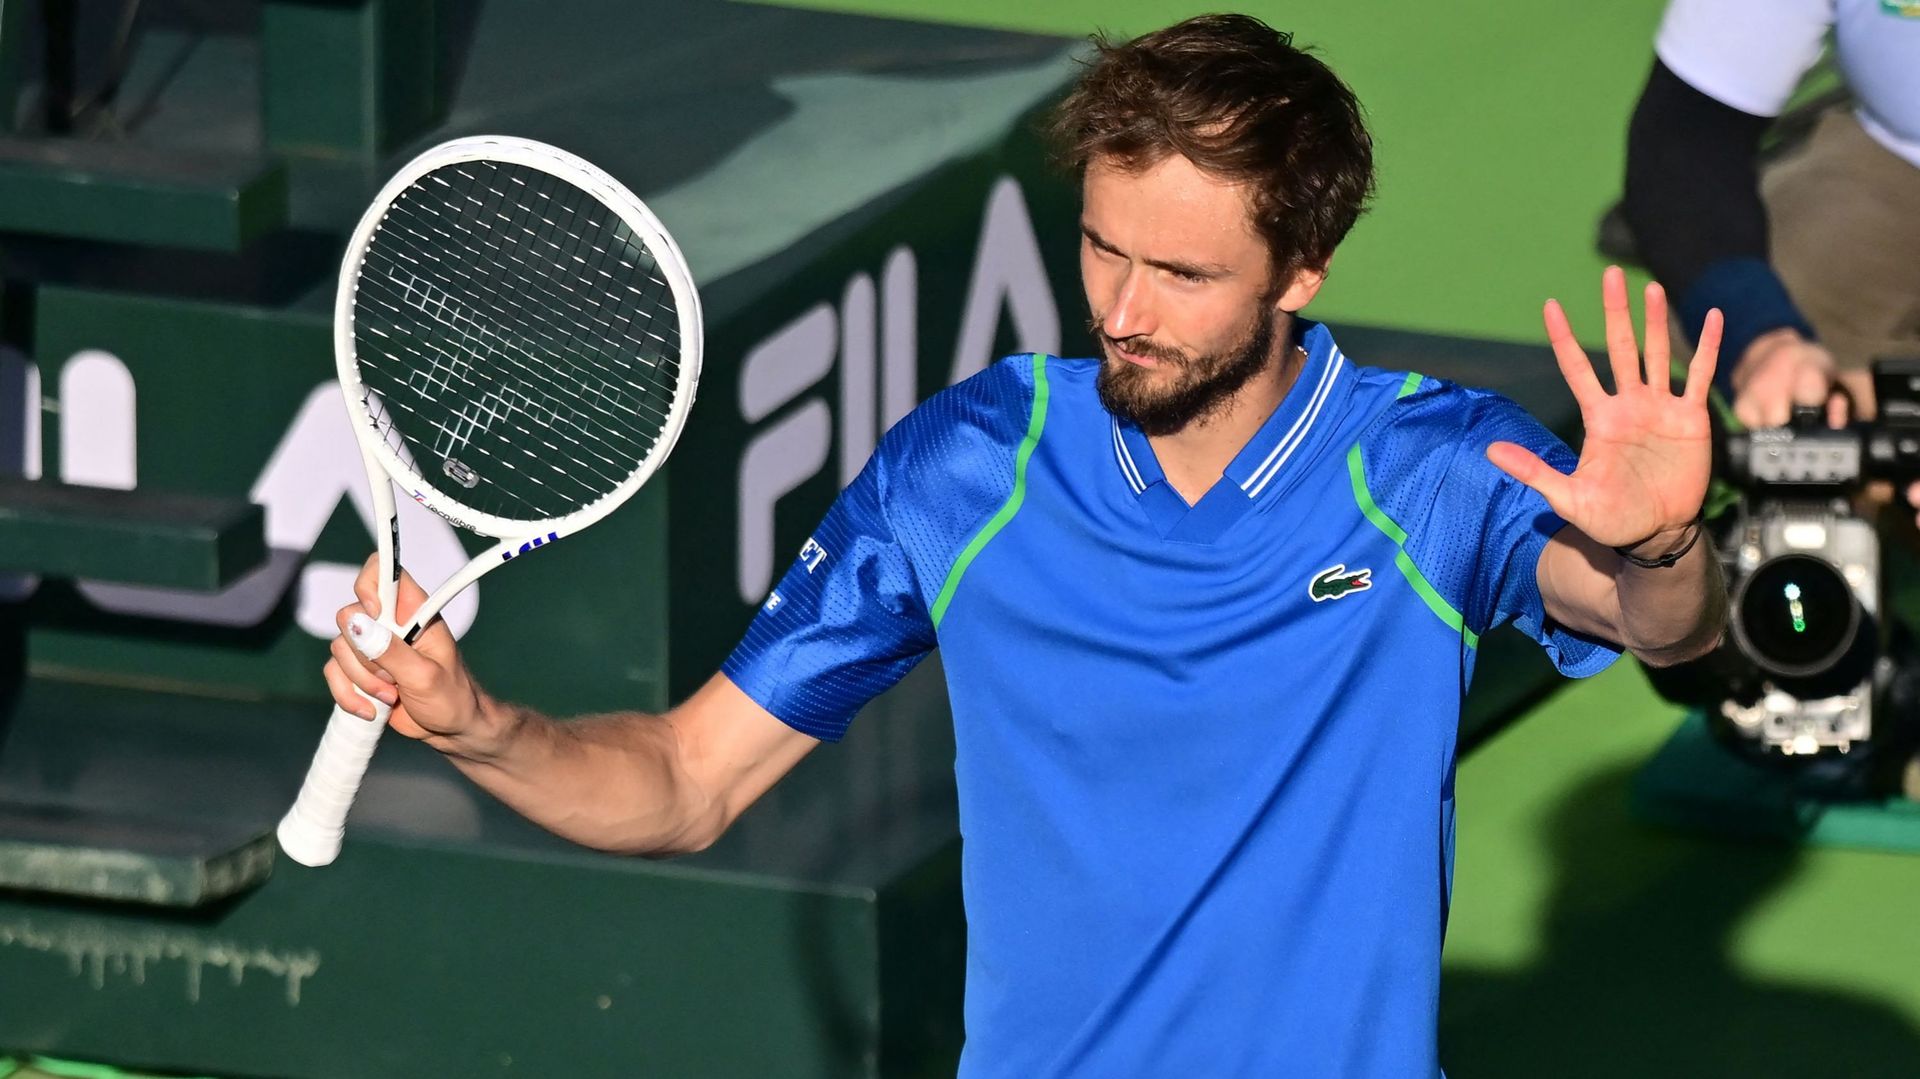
(1190, 277)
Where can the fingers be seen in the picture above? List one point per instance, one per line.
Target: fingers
(355, 627)
(1527, 467)
(411, 671)
(1763, 408)
(366, 585)
(1811, 386)
(1757, 409)
(1706, 360)
(375, 657)
(1622, 349)
(360, 675)
(1574, 365)
(344, 693)
(408, 595)
(1659, 359)
(1839, 409)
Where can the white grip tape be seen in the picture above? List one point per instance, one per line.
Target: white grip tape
(310, 833)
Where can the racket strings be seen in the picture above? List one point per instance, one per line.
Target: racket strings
(460, 316)
(601, 316)
(584, 390)
(515, 336)
(589, 394)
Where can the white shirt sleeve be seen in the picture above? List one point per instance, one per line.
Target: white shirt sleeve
(1745, 54)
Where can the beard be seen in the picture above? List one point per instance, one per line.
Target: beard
(1203, 385)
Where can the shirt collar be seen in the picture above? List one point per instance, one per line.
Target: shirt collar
(1268, 452)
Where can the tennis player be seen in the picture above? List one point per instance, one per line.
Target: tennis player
(1207, 605)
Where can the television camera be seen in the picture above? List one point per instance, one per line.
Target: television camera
(1814, 672)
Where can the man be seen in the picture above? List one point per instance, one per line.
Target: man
(1206, 605)
(1816, 260)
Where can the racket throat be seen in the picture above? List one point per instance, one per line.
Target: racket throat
(535, 542)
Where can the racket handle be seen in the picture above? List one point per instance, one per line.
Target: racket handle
(311, 831)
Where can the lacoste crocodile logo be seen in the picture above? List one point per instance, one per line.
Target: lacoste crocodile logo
(1335, 582)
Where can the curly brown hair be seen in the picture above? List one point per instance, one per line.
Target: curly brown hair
(1235, 97)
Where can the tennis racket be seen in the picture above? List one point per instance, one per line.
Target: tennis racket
(518, 341)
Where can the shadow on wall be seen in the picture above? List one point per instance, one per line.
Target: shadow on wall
(1636, 974)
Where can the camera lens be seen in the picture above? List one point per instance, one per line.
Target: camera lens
(1795, 616)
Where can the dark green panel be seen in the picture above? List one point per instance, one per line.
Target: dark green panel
(402, 963)
(138, 195)
(923, 964)
(347, 78)
(136, 537)
(14, 24)
(410, 75)
(453, 938)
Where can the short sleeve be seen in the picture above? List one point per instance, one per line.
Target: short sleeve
(1516, 524)
(842, 626)
(1745, 54)
(1473, 533)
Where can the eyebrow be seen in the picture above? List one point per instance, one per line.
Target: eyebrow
(1179, 266)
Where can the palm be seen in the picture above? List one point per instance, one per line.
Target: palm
(1644, 465)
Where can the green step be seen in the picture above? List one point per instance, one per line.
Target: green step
(821, 938)
(131, 537)
(1695, 785)
(139, 194)
(128, 858)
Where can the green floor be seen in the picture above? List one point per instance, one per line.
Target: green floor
(1583, 938)
(1582, 943)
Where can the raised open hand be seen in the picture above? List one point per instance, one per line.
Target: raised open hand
(1648, 452)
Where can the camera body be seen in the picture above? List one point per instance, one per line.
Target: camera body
(1805, 625)
(1812, 671)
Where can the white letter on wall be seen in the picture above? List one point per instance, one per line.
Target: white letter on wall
(792, 451)
(899, 337)
(1007, 270)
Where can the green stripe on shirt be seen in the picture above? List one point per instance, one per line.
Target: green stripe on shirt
(1036, 422)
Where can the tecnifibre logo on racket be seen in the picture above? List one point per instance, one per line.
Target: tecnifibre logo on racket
(537, 541)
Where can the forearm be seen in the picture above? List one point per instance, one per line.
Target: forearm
(614, 782)
(1693, 202)
(1664, 615)
(1671, 614)
(1692, 192)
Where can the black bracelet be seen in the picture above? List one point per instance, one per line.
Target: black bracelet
(1667, 559)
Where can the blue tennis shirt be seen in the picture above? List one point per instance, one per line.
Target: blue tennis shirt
(1205, 753)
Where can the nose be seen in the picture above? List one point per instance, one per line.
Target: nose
(1131, 314)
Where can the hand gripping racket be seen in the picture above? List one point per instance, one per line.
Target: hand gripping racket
(518, 340)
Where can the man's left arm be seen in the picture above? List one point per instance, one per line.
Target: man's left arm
(1630, 566)
(1664, 615)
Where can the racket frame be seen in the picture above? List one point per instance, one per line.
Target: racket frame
(309, 833)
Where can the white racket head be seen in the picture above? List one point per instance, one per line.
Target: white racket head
(518, 338)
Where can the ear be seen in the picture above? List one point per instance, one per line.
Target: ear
(1300, 291)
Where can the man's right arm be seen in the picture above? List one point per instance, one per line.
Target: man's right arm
(847, 621)
(627, 782)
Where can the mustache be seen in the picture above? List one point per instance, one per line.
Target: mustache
(1139, 347)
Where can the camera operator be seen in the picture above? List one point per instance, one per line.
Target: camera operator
(1815, 259)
